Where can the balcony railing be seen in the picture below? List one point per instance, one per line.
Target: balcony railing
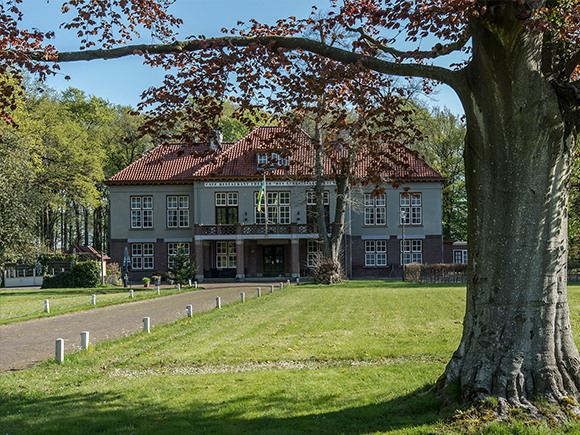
(241, 229)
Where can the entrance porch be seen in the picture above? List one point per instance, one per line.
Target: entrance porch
(247, 251)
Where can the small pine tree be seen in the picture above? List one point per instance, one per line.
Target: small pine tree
(183, 268)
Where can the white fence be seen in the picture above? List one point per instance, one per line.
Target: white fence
(26, 277)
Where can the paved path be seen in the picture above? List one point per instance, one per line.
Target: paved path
(24, 344)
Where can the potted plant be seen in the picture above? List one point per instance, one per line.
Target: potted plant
(146, 282)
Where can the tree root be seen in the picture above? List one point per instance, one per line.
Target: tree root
(500, 410)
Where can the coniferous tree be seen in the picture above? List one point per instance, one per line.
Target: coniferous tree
(182, 268)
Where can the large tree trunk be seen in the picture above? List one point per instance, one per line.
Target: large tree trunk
(517, 342)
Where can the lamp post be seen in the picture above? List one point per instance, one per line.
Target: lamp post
(403, 218)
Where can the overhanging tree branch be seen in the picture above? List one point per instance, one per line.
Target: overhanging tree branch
(274, 42)
(436, 51)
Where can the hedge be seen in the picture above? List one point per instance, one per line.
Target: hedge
(415, 272)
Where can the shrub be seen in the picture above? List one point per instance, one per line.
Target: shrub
(114, 274)
(84, 274)
(62, 280)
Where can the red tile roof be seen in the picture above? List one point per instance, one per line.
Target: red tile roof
(178, 163)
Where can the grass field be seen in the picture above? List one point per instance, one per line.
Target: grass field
(358, 358)
(17, 305)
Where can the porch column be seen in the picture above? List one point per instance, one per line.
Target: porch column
(295, 258)
(199, 260)
(240, 256)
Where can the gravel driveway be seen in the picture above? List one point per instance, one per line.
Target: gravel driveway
(24, 344)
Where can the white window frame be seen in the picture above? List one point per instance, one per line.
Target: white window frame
(413, 251)
(375, 210)
(141, 212)
(462, 254)
(312, 253)
(273, 160)
(311, 197)
(226, 256)
(142, 256)
(177, 211)
(375, 253)
(411, 203)
(278, 205)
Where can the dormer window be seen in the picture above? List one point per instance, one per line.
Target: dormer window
(272, 160)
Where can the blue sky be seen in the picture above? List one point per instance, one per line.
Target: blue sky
(121, 81)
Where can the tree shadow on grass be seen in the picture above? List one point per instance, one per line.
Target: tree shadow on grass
(108, 413)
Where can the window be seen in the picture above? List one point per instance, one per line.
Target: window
(225, 255)
(460, 256)
(411, 209)
(413, 251)
(178, 211)
(311, 213)
(141, 212)
(272, 160)
(375, 253)
(277, 205)
(172, 249)
(142, 256)
(313, 253)
(226, 208)
(375, 209)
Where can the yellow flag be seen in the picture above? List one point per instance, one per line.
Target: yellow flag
(261, 194)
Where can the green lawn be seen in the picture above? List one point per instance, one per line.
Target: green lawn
(17, 305)
(358, 358)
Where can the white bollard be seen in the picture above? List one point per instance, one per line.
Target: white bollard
(178, 287)
(94, 300)
(46, 306)
(195, 284)
(218, 302)
(272, 288)
(288, 282)
(243, 297)
(158, 292)
(189, 282)
(59, 350)
(259, 292)
(147, 325)
(131, 293)
(84, 340)
(190, 311)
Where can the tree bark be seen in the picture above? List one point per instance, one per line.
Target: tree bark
(517, 341)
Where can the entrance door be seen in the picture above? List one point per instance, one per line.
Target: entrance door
(274, 261)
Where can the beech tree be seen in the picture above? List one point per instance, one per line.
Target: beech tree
(520, 96)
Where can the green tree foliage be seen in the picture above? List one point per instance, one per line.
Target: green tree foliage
(55, 162)
(235, 126)
(17, 201)
(442, 148)
(122, 141)
(182, 269)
